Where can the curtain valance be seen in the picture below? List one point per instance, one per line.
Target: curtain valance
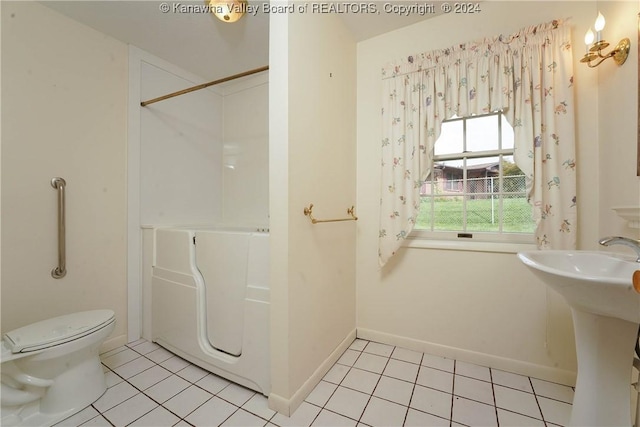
(537, 35)
(529, 76)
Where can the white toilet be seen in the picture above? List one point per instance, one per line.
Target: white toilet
(51, 369)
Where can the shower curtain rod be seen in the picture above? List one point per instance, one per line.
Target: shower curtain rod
(204, 85)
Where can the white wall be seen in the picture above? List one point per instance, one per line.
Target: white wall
(482, 307)
(245, 151)
(279, 211)
(64, 96)
(617, 119)
(203, 155)
(312, 160)
(180, 149)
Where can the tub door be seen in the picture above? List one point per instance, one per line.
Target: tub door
(221, 258)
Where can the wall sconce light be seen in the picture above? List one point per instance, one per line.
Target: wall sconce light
(228, 10)
(619, 53)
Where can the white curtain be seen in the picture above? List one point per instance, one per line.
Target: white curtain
(529, 76)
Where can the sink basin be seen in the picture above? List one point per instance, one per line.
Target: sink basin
(595, 282)
(606, 314)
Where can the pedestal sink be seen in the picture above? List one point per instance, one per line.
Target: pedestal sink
(606, 313)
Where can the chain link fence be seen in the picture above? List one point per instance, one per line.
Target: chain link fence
(488, 204)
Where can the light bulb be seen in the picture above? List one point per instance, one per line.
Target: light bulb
(599, 25)
(589, 37)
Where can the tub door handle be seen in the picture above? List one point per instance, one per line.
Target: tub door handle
(61, 270)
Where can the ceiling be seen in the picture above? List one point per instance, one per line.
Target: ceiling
(203, 45)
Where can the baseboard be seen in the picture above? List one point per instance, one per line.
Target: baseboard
(547, 373)
(280, 404)
(113, 343)
(288, 406)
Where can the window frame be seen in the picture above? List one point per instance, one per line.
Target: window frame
(493, 241)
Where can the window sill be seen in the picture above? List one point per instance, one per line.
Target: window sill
(456, 245)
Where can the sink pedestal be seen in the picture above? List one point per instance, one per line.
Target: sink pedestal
(606, 312)
(605, 348)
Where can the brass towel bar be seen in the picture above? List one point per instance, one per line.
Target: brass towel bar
(308, 212)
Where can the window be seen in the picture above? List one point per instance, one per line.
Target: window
(475, 190)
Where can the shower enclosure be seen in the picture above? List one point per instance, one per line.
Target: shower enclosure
(198, 161)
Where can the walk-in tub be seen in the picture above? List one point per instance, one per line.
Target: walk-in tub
(210, 300)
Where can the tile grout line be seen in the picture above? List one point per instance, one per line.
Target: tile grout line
(413, 389)
(371, 395)
(341, 383)
(377, 382)
(535, 395)
(162, 404)
(453, 388)
(144, 394)
(99, 415)
(406, 412)
(336, 389)
(212, 395)
(493, 394)
(323, 407)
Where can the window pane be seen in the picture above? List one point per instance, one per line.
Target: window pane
(451, 177)
(507, 133)
(426, 185)
(423, 221)
(514, 184)
(483, 212)
(448, 213)
(514, 180)
(485, 194)
(517, 217)
(482, 133)
(482, 174)
(450, 140)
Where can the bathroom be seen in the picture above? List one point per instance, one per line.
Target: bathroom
(67, 114)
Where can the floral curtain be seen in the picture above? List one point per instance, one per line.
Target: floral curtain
(529, 76)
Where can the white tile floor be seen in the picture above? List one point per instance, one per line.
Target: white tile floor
(372, 384)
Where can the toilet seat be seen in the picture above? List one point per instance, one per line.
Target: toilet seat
(58, 330)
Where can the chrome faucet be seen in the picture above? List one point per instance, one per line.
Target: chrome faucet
(625, 241)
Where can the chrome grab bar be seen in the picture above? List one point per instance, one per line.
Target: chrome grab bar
(61, 270)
